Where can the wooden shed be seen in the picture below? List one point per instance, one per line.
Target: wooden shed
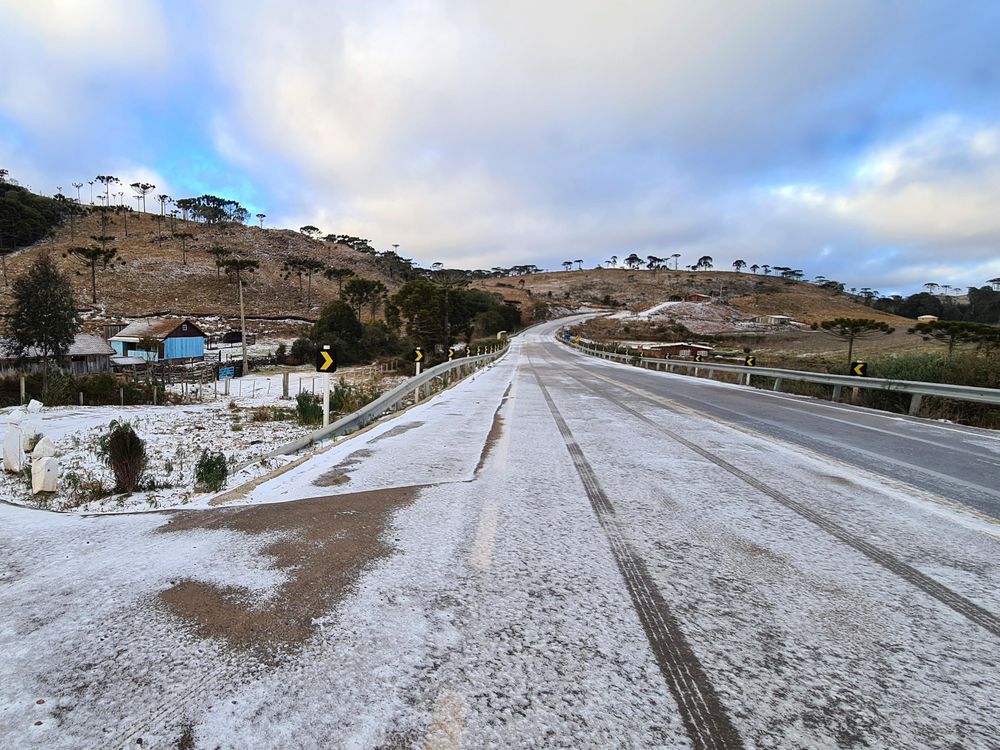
(87, 355)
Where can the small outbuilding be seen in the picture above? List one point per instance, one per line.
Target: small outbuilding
(87, 355)
(176, 340)
(695, 297)
(927, 318)
(680, 349)
(773, 320)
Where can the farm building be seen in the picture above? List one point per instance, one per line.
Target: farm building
(177, 340)
(679, 350)
(695, 297)
(772, 320)
(87, 355)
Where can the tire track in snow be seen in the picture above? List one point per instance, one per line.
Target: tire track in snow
(705, 719)
(955, 601)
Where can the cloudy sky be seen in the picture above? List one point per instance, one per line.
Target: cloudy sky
(857, 140)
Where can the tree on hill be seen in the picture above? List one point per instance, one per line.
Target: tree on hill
(164, 199)
(567, 264)
(260, 218)
(766, 268)
(754, 268)
(956, 332)
(579, 264)
(310, 231)
(303, 265)
(612, 261)
(107, 180)
(339, 274)
(43, 317)
(219, 254)
(633, 261)
(676, 257)
(183, 237)
(359, 292)
(704, 263)
(141, 190)
(739, 265)
(91, 256)
(854, 329)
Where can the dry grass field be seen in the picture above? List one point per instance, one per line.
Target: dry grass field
(154, 278)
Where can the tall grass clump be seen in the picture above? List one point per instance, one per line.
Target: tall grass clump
(309, 408)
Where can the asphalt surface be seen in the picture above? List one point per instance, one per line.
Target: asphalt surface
(957, 463)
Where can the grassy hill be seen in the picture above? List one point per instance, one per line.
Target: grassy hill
(640, 290)
(155, 279)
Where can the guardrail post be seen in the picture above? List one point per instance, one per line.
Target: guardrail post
(777, 384)
(915, 404)
(837, 389)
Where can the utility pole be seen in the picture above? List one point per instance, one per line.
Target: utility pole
(243, 326)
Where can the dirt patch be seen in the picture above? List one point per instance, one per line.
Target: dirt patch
(495, 431)
(340, 474)
(327, 542)
(395, 431)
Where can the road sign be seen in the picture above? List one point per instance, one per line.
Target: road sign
(697, 358)
(451, 353)
(859, 368)
(326, 359)
(749, 361)
(418, 356)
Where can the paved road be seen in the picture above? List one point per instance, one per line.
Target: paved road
(558, 553)
(951, 461)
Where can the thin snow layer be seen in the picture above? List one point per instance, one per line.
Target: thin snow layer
(813, 644)
(88, 652)
(527, 631)
(501, 619)
(439, 440)
(175, 437)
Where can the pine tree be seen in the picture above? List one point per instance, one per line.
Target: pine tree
(43, 315)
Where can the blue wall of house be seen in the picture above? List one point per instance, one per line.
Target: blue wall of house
(183, 348)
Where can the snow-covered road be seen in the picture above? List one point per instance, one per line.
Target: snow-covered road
(553, 553)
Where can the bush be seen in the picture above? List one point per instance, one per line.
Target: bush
(125, 453)
(211, 471)
(309, 408)
(346, 398)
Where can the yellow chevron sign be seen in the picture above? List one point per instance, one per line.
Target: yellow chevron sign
(451, 353)
(749, 361)
(418, 356)
(859, 368)
(326, 359)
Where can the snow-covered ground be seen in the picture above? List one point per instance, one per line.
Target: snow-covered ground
(226, 417)
(454, 577)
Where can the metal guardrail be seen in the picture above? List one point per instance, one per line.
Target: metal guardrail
(917, 390)
(419, 385)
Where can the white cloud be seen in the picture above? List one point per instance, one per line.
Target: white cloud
(932, 191)
(57, 53)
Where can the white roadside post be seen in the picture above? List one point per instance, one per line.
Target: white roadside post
(326, 362)
(326, 399)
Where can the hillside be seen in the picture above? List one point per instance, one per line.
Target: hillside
(641, 289)
(155, 279)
